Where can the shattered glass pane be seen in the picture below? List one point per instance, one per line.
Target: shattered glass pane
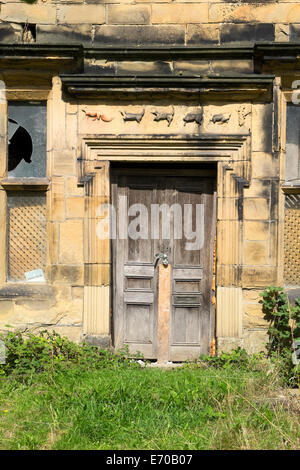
(292, 143)
(26, 139)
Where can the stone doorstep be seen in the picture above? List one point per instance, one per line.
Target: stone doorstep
(166, 365)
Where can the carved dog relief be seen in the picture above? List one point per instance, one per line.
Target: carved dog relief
(194, 117)
(164, 116)
(132, 116)
(221, 118)
(97, 116)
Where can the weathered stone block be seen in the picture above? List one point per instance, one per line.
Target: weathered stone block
(72, 188)
(72, 332)
(228, 344)
(256, 208)
(264, 165)
(258, 188)
(58, 121)
(71, 131)
(53, 236)
(231, 33)
(256, 230)
(64, 34)
(78, 14)
(251, 295)
(74, 207)
(57, 198)
(98, 250)
(97, 274)
(68, 274)
(294, 32)
(254, 13)
(8, 34)
(239, 66)
(42, 14)
(103, 341)
(193, 67)
(6, 309)
(282, 32)
(262, 128)
(202, 34)
(259, 276)
(77, 292)
(138, 35)
(256, 252)
(99, 67)
(128, 14)
(64, 162)
(177, 13)
(255, 340)
(71, 242)
(227, 208)
(147, 68)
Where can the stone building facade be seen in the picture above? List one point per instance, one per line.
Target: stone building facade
(147, 88)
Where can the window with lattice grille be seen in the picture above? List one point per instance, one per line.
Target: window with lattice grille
(26, 221)
(25, 185)
(292, 240)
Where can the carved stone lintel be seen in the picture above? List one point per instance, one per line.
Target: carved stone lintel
(133, 116)
(243, 112)
(194, 117)
(221, 118)
(163, 116)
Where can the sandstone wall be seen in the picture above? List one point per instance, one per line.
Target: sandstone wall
(150, 23)
(146, 24)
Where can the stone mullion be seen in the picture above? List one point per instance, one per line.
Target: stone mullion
(229, 254)
(97, 258)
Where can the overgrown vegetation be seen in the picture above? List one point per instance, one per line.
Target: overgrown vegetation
(30, 354)
(56, 394)
(283, 332)
(130, 407)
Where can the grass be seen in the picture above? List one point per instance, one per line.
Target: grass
(124, 406)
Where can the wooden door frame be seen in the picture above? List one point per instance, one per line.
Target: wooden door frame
(137, 170)
(232, 153)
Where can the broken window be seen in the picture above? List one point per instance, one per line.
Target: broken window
(26, 197)
(26, 139)
(292, 173)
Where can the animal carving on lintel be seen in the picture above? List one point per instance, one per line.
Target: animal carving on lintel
(221, 118)
(194, 117)
(164, 116)
(133, 116)
(243, 112)
(97, 116)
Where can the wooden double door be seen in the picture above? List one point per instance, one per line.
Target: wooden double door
(172, 215)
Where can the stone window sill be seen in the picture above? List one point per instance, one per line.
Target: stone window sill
(19, 289)
(30, 184)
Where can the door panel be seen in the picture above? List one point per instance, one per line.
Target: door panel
(135, 279)
(136, 283)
